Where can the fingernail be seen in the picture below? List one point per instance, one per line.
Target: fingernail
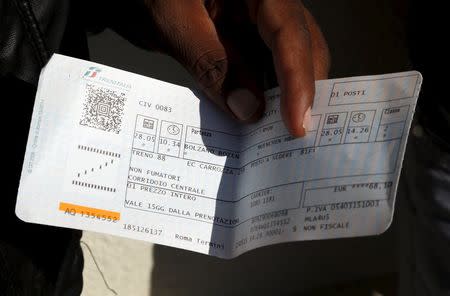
(307, 120)
(243, 103)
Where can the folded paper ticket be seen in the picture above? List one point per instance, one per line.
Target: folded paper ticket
(119, 153)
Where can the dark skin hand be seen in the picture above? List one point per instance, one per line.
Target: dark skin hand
(221, 43)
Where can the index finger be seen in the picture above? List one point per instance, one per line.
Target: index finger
(283, 27)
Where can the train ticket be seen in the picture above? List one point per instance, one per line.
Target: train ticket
(115, 152)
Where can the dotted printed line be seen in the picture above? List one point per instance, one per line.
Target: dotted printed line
(99, 167)
(93, 186)
(99, 151)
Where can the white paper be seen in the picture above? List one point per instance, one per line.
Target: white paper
(115, 152)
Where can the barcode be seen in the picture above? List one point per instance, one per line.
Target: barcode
(103, 108)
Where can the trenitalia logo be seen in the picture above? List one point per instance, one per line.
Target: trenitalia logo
(92, 72)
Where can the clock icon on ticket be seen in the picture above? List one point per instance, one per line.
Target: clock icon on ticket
(359, 117)
(173, 129)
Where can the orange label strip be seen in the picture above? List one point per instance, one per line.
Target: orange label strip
(88, 211)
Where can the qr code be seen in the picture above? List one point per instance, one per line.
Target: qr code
(103, 108)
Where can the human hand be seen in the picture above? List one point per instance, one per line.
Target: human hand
(218, 42)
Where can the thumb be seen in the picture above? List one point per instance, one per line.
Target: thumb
(190, 36)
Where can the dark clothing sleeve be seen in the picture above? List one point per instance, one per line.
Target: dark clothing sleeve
(34, 259)
(30, 30)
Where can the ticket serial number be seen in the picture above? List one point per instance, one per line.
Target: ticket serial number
(142, 229)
